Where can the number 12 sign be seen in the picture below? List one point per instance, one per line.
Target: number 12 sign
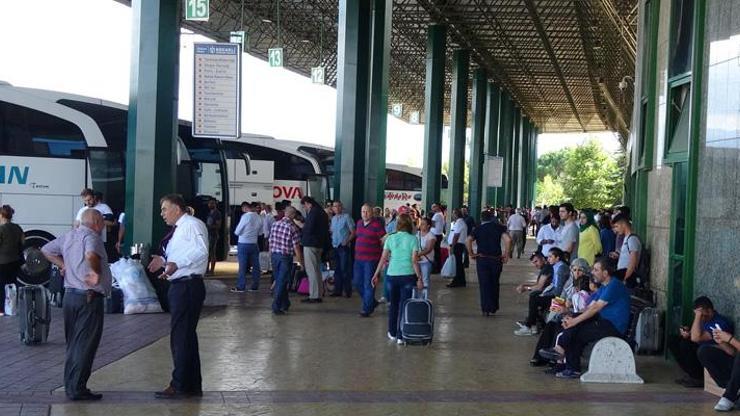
(198, 10)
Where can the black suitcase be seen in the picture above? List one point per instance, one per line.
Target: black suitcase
(416, 321)
(34, 314)
(114, 302)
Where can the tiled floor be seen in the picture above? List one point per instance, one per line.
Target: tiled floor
(324, 360)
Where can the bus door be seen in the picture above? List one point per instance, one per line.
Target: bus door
(317, 186)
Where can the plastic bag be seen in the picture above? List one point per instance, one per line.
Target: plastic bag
(11, 300)
(138, 294)
(265, 261)
(448, 269)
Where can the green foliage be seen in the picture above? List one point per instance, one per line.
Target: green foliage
(587, 176)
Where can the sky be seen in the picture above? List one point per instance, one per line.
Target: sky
(63, 49)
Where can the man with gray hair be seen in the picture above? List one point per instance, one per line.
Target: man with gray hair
(80, 255)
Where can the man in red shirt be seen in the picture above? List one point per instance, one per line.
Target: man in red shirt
(368, 248)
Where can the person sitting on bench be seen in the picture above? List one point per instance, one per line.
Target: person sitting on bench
(722, 361)
(607, 315)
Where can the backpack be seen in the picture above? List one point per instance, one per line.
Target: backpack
(642, 273)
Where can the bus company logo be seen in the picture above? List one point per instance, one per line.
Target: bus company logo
(398, 196)
(287, 192)
(13, 175)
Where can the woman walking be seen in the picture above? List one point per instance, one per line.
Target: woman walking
(11, 249)
(401, 251)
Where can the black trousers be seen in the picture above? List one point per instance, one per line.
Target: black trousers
(724, 369)
(537, 306)
(83, 327)
(583, 334)
(489, 276)
(685, 353)
(186, 301)
(437, 266)
(8, 275)
(457, 250)
(547, 337)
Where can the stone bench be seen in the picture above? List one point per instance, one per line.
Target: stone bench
(611, 361)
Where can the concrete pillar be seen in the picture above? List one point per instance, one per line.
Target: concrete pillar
(353, 71)
(378, 124)
(475, 183)
(433, 114)
(491, 133)
(505, 146)
(152, 118)
(459, 119)
(515, 157)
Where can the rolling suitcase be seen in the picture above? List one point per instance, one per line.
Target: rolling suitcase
(34, 314)
(648, 332)
(416, 321)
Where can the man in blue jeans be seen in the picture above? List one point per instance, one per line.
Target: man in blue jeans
(342, 234)
(247, 251)
(489, 259)
(369, 233)
(284, 242)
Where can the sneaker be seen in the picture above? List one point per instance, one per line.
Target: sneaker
(521, 324)
(391, 337)
(568, 373)
(237, 290)
(382, 300)
(724, 405)
(400, 341)
(526, 332)
(550, 354)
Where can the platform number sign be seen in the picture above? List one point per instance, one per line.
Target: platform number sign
(197, 10)
(317, 75)
(414, 117)
(397, 110)
(275, 57)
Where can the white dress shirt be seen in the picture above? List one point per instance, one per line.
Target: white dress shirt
(249, 228)
(188, 248)
(267, 221)
(547, 233)
(439, 224)
(104, 210)
(458, 227)
(517, 223)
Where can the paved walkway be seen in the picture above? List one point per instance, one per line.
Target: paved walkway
(324, 359)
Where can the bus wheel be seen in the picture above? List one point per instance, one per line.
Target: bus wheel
(36, 269)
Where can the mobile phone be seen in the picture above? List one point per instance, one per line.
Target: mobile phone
(717, 327)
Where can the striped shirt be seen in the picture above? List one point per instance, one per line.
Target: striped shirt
(367, 244)
(284, 237)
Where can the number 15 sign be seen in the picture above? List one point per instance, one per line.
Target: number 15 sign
(198, 10)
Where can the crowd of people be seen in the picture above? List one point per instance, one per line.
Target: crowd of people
(587, 264)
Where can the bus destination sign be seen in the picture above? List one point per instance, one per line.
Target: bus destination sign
(217, 90)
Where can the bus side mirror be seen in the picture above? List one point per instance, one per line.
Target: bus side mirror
(247, 163)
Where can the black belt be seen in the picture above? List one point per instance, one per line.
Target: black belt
(187, 278)
(82, 292)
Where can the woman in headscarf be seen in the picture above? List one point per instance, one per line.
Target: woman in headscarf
(589, 240)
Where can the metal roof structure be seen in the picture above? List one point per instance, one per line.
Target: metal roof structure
(562, 61)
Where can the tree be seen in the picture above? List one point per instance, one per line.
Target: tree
(587, 175)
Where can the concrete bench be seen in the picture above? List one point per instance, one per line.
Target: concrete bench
(611, 361)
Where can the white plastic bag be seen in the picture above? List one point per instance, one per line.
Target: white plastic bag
(11, 300)
(448, 269)
(265, 261)
(138, 294)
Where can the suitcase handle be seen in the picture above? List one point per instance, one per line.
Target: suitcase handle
(424, 293)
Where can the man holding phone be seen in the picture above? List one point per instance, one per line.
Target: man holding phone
(684, 347)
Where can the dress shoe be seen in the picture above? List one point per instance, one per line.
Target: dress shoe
(88, 395)
(456, 285)
(279, 312)
(335, 295)
(364, 315)
(171, 393)
(309, 300)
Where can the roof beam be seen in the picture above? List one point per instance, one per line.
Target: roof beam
(532, 9)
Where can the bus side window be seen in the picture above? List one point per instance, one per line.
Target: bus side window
(28, 132)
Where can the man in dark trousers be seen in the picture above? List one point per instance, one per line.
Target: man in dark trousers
(80, 254)
(314, 237)
(183, 263)
(489, 259)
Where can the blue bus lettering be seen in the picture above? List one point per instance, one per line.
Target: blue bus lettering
(14, 173)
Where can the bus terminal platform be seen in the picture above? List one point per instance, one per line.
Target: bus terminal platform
(322, 359)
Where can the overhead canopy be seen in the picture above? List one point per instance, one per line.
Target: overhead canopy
(561, 60)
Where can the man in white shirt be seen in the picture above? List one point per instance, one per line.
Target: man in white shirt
(517, 227)
(91, 199)
(548, 235)
(438, 229)
(569, 231)
(183, 261)
(247, 250)
(456, 239)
